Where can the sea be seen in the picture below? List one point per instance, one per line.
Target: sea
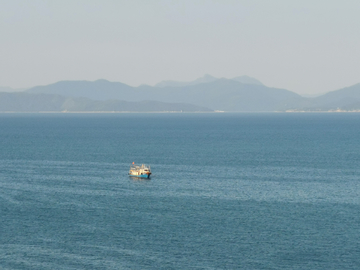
(227, 191)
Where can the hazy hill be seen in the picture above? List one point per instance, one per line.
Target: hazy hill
(228, 95)
(247, 80)
(206, 79)
(220, 94)
(344, 99)
(97, 90)
(28, 102)
(209, 92)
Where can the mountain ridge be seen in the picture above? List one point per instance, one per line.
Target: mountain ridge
(207, 92)
(206, 79)
(29, 102)
(220, 94)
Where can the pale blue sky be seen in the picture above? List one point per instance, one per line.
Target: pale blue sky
(304, 46)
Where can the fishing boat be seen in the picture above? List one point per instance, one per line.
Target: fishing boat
(142, 171)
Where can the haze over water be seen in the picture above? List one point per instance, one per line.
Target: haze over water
(229, 191)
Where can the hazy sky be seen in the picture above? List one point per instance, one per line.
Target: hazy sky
(306, 46)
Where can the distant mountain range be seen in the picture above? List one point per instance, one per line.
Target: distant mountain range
(207, 79)
(27, 102)
(345, 99)
(240, 94)
(221, 94)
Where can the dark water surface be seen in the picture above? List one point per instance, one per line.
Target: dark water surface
(229, 191)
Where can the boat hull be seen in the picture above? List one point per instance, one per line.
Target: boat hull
(140, 176)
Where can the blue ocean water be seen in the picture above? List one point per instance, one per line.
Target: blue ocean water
(228, 191)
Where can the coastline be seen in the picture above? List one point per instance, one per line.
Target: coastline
(171, 112)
